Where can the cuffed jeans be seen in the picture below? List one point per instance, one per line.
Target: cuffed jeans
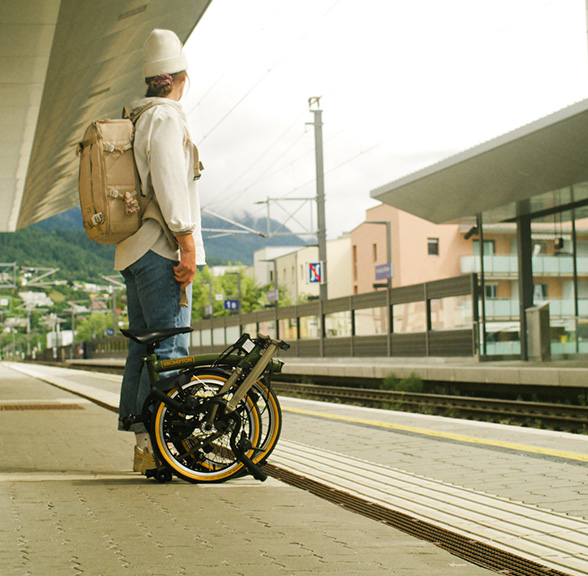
(153, 301)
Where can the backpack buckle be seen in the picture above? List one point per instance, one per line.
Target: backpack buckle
(97, 219)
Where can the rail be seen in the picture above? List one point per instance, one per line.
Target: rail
(437, 318)
(551, 416)
(562, 417)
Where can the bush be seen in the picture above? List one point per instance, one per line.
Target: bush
(412, 383)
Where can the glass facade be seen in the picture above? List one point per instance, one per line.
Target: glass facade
(559, 274)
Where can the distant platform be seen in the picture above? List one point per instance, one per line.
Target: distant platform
(565, 374)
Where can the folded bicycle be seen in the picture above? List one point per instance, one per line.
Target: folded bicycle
(215, 417)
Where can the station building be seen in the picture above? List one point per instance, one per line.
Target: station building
(515, 210)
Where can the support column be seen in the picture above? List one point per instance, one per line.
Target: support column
(525, 255)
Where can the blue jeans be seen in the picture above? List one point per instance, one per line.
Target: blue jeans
(153, 301)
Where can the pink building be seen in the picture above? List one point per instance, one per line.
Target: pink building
(420, 250)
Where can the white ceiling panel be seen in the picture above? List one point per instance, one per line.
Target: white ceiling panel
(26, 35)
(68, 63)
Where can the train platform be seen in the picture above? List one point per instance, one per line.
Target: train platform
(562, 373)
(352, 491)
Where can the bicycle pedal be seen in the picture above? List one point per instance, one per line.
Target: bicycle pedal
(161, 474)
(151, 473)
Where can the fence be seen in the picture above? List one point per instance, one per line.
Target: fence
(437, 318)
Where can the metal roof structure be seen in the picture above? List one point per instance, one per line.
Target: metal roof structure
(63, 64)
(524, 171)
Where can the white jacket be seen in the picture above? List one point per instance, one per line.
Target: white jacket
(164, 155)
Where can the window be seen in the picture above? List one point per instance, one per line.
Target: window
(375, 252)
(370, 321)
(354, 256)
(410, 317)
(539, 292)
(288, 328)
(491, 290)
(268, 328)
(433, 246)
(338, 324)
(451, 313)
(489, 248)
(309, 327)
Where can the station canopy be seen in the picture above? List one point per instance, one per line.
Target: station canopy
(63, 64)
(539, 167)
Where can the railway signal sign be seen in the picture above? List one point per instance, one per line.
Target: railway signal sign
(315, 273)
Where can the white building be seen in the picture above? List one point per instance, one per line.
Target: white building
(293, 269)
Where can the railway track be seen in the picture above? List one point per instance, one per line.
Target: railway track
(561, 417)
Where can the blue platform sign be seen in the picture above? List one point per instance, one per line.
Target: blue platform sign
(315, 272)
(384, 271)
(231, 304)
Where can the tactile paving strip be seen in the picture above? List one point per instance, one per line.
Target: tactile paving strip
(522, 539)
(41, 407)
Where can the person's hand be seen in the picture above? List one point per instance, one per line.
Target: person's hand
(186, 269)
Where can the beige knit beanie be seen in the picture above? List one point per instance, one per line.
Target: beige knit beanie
(162, 54)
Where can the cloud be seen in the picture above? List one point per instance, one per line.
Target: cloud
(403, 84)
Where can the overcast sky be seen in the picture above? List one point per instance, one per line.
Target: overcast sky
(403, 84)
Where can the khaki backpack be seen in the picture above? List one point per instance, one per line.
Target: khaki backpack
(111, 200)
(110, 189)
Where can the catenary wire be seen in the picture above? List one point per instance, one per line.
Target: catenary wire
(269, 71)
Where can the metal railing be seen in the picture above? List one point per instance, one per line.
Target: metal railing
(508, 265)
(342, 327)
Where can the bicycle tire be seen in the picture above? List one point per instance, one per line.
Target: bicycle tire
(193, 453)
(270, 413)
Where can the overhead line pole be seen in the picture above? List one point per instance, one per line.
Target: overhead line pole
(320, 193)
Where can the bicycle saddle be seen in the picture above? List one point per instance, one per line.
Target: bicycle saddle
(148, 336)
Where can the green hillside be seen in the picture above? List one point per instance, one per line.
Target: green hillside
(60, 242)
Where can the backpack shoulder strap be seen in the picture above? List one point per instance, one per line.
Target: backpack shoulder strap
(134, 114)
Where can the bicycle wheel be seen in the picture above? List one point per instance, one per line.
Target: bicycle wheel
(269, 411)
(194, 450)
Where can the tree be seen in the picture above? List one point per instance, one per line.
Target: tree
(251, 295)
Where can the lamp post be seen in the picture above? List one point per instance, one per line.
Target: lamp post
(238, 274)
(54, 321)
(210, 296)
(74, 308)
(388, 249)
(320, 190)
(115, 284)
(275, 277)
(390, 317)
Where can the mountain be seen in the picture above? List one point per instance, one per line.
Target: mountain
(60, 245)
(60, 242)
(239, 246)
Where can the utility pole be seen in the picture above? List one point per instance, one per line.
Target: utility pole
(320, 192)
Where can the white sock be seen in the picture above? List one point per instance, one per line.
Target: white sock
(143, 441)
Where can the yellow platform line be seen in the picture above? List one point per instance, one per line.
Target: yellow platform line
(446, 435)
(435, 433)
(102, 377)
